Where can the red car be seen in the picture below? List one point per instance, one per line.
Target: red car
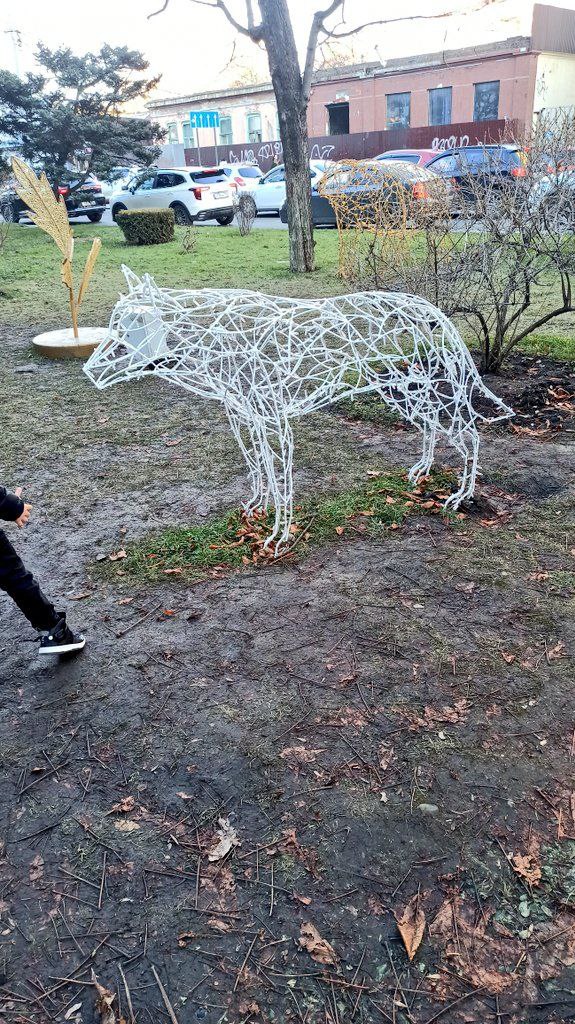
(419, 157)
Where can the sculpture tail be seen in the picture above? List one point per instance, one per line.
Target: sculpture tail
(480, 396)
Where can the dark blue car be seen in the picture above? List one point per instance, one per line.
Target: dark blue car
(494, 165)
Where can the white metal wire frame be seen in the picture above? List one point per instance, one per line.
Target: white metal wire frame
(271, 359)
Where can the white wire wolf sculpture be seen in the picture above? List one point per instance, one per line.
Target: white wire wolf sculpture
(269, 360)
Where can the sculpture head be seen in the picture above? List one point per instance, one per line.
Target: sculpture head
(136, 336)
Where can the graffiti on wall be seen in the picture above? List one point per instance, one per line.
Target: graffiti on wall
(452, 142)
(274, 151)
(321, 152)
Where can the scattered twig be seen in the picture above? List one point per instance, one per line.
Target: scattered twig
(164, 995)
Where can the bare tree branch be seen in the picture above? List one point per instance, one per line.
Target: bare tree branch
(251, 30)
(333, 34)
(160, 9)
(317, 26)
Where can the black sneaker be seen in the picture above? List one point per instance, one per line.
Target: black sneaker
(61, 639)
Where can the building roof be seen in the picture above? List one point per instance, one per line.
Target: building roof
(216, 94)
(424, 61)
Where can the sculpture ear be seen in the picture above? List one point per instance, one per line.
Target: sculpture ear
(150, 288)
(132, 280)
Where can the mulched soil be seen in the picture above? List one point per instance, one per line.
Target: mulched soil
(226, 804)
(541, 391)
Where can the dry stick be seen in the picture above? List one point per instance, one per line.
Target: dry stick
(246, 958)
(103, 879)
(272, 892)
(456, 1002)
(128, 996)
(122, 632)
(164, 995)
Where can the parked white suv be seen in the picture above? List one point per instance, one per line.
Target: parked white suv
(193, 193)
(269, 193)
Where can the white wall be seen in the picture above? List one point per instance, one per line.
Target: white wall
(555, 81)
(237, 108)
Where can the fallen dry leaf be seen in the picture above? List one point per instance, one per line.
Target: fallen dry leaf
(219, 926)
(319, 949)
(37, 868)
(304, 900)
(556, 652)
(411, 925)
(126, 804)
(484, 959)
(126, 826)
(104, 1002)
(527, 867)
(227, 839)
(116, 555)
(297, 756)
(509, 658)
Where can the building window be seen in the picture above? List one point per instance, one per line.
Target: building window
(338, 114)
(440, 105)
(398, 109)
(226, 132)
(172, 130)
(188, 134)
(254, 125)
(486, 106)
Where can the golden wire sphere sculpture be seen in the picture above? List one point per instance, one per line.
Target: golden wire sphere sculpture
(378, 204)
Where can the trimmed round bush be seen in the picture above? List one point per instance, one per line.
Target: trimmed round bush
(146, 227)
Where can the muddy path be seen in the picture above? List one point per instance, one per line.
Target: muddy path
(384, 724)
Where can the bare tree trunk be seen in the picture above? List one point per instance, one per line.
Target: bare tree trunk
(292, 110)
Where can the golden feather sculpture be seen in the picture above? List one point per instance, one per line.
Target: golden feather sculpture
(49, 213)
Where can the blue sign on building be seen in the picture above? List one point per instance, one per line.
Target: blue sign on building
(204, 119)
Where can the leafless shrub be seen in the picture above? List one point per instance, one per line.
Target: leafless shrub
(246, 212)
(190, 240)
(506, 267)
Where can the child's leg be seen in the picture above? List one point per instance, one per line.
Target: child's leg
(23, 588)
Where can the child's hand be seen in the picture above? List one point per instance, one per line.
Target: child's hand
(23, 519)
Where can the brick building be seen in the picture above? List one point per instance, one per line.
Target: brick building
(511, 80)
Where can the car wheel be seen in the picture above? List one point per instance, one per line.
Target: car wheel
(95, 218)
(118, 208)
(225, 220)
(181, 214)
(9, 213)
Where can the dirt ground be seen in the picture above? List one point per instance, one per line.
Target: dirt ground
(225, 805)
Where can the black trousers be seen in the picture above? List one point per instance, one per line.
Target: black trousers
(23, 588)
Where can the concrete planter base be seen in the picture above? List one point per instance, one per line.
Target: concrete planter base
(63, 345)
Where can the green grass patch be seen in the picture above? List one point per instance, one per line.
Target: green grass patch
(232, 542)
(31, 293)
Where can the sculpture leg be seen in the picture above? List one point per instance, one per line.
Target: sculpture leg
(422, 468)
(253, 462)
(277, 460)
(467, 443)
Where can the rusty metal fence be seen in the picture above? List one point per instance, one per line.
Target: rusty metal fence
(359, 146)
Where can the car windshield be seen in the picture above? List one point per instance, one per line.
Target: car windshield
(250, 172)
(210, 176)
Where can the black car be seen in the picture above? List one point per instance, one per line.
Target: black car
(366, 181)
(87, 200)
(493, 165)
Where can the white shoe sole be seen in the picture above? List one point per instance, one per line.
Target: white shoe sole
(64, 648)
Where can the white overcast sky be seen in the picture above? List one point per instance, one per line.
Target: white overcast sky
(191, 46)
